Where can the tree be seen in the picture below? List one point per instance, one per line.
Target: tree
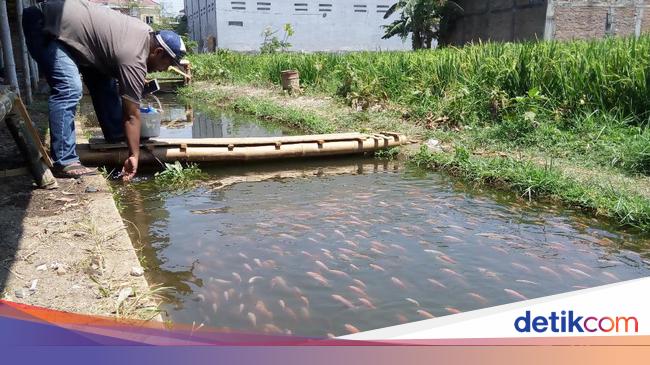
(425, 20)
(271, 43)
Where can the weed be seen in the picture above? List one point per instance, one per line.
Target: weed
(177, 176)
(387, 153)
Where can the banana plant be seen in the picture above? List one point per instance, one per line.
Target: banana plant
(425, 20)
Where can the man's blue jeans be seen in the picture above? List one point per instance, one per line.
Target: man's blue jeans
(56, 62)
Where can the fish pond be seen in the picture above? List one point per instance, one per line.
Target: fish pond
(328, 247)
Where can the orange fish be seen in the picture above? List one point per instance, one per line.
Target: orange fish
(576, 271)
(262, 309)
(304, 300)
(339, 273)
(367, 303)
(377, 267)
(446, 258)
(360, 283)
(322, 265)
(611, 276)
(350, 328)
(478, 297)
(358, 290)
(398, 282)
(342, 300)
(271, 328)
(550, 271)
(452, 239)
(452, 272)
(436, 282)
(425, 314)
(515, 294)
(520, 266)
(452, 310)
(410, 300)
(280, 282)
(252, 318)
(319, 278)
(290, 313)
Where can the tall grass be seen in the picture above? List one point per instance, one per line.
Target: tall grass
(609, 75)
(532, 93)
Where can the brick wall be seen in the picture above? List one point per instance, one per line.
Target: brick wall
(579, 22)
(588, 19)
(516, 20)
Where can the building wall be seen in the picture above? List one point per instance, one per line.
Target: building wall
(499, 20)
(201, 21)
(515, 20)
(344, 25)
(595, 19)
(154, 12)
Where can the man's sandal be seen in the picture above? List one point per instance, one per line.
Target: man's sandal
(74, 170)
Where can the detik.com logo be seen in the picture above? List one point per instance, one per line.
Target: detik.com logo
(567, 321)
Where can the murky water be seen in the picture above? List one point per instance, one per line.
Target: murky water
(360, 244)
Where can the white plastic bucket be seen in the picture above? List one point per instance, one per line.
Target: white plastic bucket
(150, 122)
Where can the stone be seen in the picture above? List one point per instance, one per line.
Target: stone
(20, 293)
(61, 271)
(123, 294)
(41, 267)
(91, 189)
(32, 288)
(433, 145)
(137, 271)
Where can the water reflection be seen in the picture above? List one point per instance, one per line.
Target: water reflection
(184, 121)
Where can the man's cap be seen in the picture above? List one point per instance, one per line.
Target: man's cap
(172, 44)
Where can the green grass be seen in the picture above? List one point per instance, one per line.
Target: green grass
(541, 95)
(178, 177)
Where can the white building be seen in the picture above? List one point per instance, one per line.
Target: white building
(319, 25)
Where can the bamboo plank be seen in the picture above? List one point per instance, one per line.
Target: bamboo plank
(98, 143)
(230, 153)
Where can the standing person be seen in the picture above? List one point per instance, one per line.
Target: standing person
(113, 52)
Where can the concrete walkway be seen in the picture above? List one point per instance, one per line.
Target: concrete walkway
(68, 248)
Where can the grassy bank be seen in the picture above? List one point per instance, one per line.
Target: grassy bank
(585, 105)
(533, 180)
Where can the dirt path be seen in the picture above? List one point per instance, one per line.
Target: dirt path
(67, 248)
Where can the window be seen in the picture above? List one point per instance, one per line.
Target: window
(360, 8)
(262, 6)
(236, 23)
(148, 19)
(301, 6)
(238, 5)
(382, 9)
(325, 7)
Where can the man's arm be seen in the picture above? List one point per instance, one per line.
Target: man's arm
(131, 116)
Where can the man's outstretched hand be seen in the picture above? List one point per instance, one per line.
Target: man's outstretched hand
(130, 168)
